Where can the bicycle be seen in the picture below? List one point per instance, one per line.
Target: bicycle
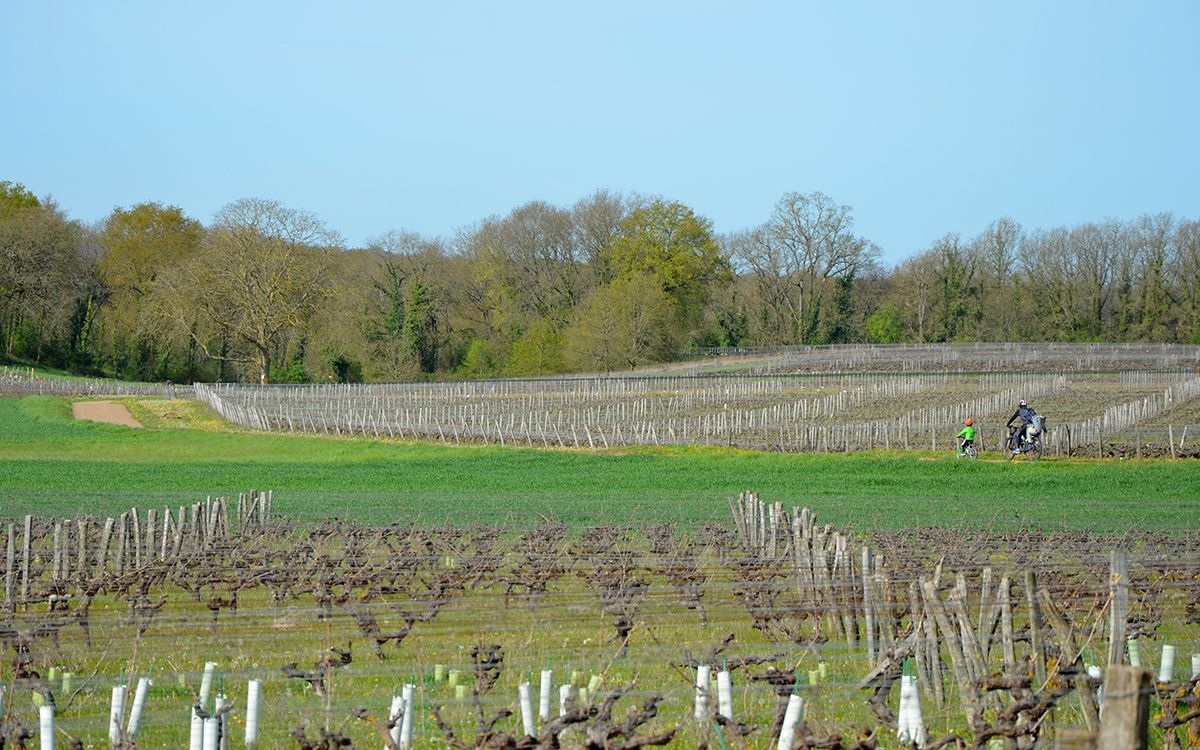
(1031, 446)
(967, 451)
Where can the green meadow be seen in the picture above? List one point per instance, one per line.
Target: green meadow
(53, 464)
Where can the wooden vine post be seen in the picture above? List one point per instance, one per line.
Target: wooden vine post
(26, 545)
(10, 563)
(1118, 612)
(1126, 709)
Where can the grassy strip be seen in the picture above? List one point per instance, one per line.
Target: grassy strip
(50, 463)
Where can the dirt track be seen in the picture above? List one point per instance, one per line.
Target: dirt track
(104, 411)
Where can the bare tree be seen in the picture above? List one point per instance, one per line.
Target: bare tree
(808, 241)
(41, 265)
(1154, 238)
(529, 263)
(597, 221)
(262, 270)
(996, 249)
(1186, 269)
(914, 290)
(1094, 248)
(411, 294)
(753, 255)
(1049, 298)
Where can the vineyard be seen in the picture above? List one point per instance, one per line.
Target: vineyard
(976, 357)
(223, 624)
(543, 602)
(1133, 413)
(1099, 399)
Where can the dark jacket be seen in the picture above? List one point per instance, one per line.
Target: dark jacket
(1023, 413)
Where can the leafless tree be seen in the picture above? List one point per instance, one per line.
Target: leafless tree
(996, 248)
(1186, 270)
(597, 219)
(262, 270)
(808, 240)
(530, 263)
(41, 263)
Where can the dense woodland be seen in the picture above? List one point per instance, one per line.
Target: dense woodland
(269, 293)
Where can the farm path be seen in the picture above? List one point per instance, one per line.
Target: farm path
(104, 411)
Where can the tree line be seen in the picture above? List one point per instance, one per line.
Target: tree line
(269, 293)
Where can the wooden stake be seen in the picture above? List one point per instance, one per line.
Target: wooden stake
(26, 546)
(1126, 709)
(868, 606)
(1006, 625)
(121, 545)
(65, 570)
(970, 644)
(1035, 626)
(57, 564)
(1070, 655)
(105, 539)
(10, 565)
(917, 619)
(988, 613)
(168, 523)
(81, 530)
(950, 634)
(151, 530)
(135, 538)
(1118, 613)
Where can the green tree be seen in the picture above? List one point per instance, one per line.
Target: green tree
(1187, 271)
(538, 351)
(837, 324)
(43, 275)
(728, 328)
(483, 359)
(408, 320)
(885, 326)
(293, 373)
(622, 325)
(344, 369)
(421, 327)
(667, 242)
(142, 240)
(138, 244)
(1154, 237)
(391, 349)
(14, 197)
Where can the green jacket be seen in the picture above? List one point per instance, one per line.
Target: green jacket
(967, 433)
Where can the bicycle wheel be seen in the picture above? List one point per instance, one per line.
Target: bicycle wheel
(972, 453)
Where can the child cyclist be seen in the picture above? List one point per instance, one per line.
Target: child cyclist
(967, 436)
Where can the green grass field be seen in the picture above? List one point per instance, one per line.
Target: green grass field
(52, 464)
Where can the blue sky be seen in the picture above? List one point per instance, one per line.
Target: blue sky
(927, 118)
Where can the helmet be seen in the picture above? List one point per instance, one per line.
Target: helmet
(970, 422)
(1023, 403)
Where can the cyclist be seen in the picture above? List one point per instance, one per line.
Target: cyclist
(1025, 415)
(967, 436)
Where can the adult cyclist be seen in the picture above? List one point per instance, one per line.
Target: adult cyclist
(1023, 416)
